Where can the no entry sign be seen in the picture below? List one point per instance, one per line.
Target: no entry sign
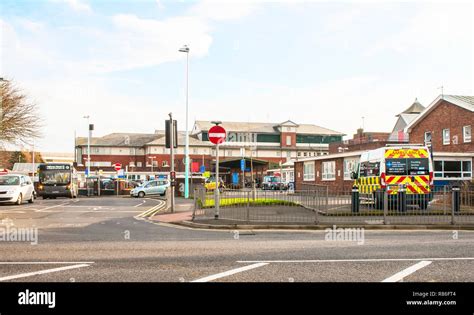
(217, 135)
(117, 166)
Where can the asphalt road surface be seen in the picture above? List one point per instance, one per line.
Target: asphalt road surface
(103, 240)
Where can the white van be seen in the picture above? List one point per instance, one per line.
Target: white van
(16, 189)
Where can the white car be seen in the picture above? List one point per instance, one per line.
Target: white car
(16, 189)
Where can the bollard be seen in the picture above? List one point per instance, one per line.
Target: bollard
(355, 200)
(456, 199)
(402, 199)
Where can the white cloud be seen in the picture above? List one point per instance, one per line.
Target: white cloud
(76, 5)
(223, 10)
(436, 26)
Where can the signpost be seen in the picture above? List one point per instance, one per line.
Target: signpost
(217, 135)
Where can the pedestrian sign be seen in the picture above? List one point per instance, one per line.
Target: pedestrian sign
(202, 169)
(242, 165)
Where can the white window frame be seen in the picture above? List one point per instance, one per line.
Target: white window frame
(462, 171)
(446, 136)
(431, 136)
(288, 140)
(467, 138)
(328, 170)
(352, 162)
(308, 171)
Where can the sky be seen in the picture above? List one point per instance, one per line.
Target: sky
(323, 63)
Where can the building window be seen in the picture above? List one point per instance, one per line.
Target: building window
(154, 163)
(308, 171)
(164, 164)
(299, 153)
(305, 154)
(288, 140)
(453, 169)
(466, 134)
(329, 170)
(278, 153)
(288, 154)
(446, 137)
(139, 164)
(350, 165)
(229, 152)
(195, 150)
(132, 164)
(428, 137)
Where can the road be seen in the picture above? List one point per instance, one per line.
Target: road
(102, 240)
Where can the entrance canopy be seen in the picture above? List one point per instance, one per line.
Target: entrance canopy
(235, 163)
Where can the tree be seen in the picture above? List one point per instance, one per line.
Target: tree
(19, 120)
(16, 157)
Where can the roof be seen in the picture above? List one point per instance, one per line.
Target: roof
(466, 102)
(120, 139)
(333, 156)
(266, 127)
(414, 108)
(181, 140)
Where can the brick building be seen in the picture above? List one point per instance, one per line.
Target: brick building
(145, 154)
(446, 124)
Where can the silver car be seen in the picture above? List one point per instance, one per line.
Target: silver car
(16, 189)
(154, 187)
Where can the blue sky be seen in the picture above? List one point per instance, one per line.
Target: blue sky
(312, 62)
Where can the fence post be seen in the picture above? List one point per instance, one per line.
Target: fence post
(327, 198)
(385, 206)
(402, 199)
(195, 202)
(456, 204)
(248, 206)
(355, 201)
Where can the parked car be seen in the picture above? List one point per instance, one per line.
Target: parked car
(16, 188)
(153, 187)
(210, 184)
(273, 183)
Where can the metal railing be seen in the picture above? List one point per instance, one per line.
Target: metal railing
(320, 206)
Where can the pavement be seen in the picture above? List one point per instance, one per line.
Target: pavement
(104, 239)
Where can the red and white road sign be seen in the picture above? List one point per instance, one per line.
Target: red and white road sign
(3, 172)
(217, 134)
(117, 166)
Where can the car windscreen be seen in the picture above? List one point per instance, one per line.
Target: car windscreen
(407, 167)
(55, 177)
(9, 180)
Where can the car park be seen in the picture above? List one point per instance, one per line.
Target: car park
(16, 189)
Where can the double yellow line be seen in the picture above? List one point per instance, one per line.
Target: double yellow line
(152, 211)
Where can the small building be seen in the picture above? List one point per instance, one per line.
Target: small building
(447, 125)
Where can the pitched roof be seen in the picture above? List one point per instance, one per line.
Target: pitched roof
(466, 102)
(120, 139)
(265, 127)
(414, 108)
(181, 140)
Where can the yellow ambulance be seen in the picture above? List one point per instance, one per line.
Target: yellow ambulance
(391, 168)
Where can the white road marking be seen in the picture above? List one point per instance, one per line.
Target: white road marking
(42, 272)
(143, 202)
(44, 262)
(408, 271)
(52, 207)
(230, 272)
(354, 260)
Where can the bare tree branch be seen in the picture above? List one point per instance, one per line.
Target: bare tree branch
(19, 120)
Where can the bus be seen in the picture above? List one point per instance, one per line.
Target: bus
(57, 180)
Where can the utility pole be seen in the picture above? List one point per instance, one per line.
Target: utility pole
(172, 173)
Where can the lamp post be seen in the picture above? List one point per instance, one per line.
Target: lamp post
(88, 162)
(152, 158)
(185, 49)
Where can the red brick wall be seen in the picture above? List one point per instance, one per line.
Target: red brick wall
(338, 184)
(445, 115)
(283, 139)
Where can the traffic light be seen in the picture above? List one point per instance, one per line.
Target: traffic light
(168, 134)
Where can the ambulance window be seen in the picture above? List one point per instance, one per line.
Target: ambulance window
(418, 167)
(369, 169)
(396, 166)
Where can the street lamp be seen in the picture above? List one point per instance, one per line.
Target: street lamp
(152, 158)
(185, 49)
(88, 163)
